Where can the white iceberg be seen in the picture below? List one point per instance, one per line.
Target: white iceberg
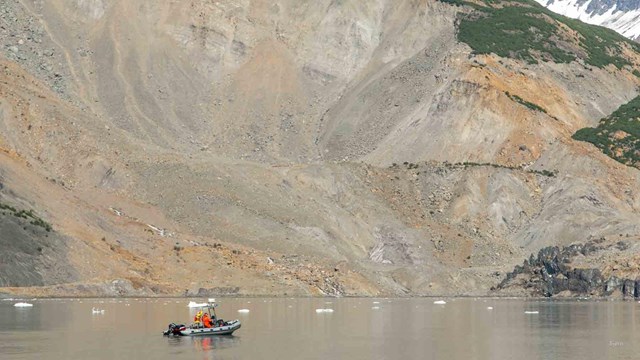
(193, 304)
(439, 302)
(243, 311)
(23, 304)
(324, 311)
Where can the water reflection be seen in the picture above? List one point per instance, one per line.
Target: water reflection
(208, 343)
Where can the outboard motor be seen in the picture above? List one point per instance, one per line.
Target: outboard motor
(174, 329)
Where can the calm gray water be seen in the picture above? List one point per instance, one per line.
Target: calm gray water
(291, 329)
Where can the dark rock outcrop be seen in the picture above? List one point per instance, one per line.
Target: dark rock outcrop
(551, 273)
(31, 254)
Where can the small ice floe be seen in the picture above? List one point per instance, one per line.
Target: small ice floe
(97, 311)
(376, 302)
(489, 307)
(375, 308)
(193, 304)
(532, 312)
(211, 300)
(324, 311)
(23, 304)
(243, 311)
(440, 302)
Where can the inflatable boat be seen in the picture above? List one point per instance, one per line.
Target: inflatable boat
(214, 327)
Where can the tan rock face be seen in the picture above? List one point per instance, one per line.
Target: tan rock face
(619, 135)
(178, 146)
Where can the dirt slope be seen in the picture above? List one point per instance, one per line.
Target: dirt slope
(248, 148)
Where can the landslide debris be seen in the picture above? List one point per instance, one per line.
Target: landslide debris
(272, 130)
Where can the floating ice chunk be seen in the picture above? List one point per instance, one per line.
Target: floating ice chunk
(376, 302)
(193, 304)
(211, 300)
(489, 307)
(532, 312)
(439, 302)
(375, 307)
(97, 311)
(244, 311)
(324, 310)
(23, 304)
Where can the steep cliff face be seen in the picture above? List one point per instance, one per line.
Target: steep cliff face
(305, 147)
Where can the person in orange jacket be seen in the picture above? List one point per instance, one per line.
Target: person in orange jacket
(206, 320)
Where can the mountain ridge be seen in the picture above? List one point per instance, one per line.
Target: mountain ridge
(621, 16)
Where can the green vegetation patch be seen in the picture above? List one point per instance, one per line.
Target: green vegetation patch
(469, 164)
(27, 215)
(617, 135)
(525, 30)
(546, 173)
(523, 102)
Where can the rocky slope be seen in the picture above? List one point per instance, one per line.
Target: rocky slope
(305, 148)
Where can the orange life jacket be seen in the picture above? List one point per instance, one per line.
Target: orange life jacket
(206, 321)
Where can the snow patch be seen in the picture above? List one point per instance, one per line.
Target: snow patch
(626, 23)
